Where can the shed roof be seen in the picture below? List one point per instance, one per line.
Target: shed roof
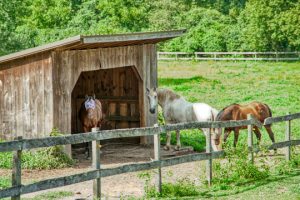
(81, 42)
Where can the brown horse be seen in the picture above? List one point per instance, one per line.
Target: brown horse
(259, 110)
(91, 116)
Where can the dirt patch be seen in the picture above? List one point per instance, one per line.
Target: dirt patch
(118, 185)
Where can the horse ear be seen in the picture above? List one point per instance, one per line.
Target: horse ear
(147, 91)
(86, 97)
(154, 89)
(94, 96)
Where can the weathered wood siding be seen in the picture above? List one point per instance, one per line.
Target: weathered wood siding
(26, 97)
(68, 65)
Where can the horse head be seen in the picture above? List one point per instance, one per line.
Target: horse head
(153, 100)
(90, 105)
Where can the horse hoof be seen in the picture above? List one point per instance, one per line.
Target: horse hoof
(167, 148)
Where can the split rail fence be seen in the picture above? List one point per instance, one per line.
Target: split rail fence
(17, 146)
(230, 56)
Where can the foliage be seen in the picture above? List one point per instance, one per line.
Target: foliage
(213, 25)
(238, 169)
(181, 188)
(45, 158)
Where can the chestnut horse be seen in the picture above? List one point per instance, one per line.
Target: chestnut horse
(91, 116)
(259, 110)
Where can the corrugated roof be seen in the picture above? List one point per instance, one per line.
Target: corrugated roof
(97, 41)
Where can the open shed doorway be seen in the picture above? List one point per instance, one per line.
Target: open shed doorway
(118, 91)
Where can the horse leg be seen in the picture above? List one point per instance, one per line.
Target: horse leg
(258, 134)
(177, 147)
(236, 136)
(87, 152)
(271, 134)
(168, 144)
(226, 134)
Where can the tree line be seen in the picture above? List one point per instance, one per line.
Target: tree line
(212, 25)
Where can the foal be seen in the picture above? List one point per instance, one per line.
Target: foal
(259, 110)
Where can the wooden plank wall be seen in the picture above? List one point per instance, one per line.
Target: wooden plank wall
(68, 66)
(26, 104)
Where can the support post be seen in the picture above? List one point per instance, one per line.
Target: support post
(16, 170)
(157, 158)
(209, 161)
(250, 139)
(288, 138)
(96, 165)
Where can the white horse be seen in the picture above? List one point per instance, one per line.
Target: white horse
(177, 110)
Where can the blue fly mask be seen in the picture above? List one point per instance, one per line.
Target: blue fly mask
(90, 104)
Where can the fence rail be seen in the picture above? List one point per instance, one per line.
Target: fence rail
(21, 144)
(230, 56)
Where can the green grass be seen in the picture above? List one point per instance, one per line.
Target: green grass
(5, 182)
(47, 158)
(222, 83)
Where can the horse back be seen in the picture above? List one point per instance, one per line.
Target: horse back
(259, 110)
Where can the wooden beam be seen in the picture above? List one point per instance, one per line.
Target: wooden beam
(288, 138)
(271, 120)
(110, 134)
(77, 138)
(284, 144)
(93, 174)
(16, 171)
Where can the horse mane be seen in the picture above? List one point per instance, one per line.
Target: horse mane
(167, 93)
(222, 111)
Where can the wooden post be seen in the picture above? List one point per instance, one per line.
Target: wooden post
(96, 165)
(288, 138)
(157, 157)
(16, 170)
(250, 139)
(209, 161)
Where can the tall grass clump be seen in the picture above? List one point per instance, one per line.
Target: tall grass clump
(44, 158)
(237, 169)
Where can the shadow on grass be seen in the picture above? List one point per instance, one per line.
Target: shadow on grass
(251, 185)
(178, 81)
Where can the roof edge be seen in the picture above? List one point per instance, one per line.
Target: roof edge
(162, 35)
(40, 49)
(132, 36)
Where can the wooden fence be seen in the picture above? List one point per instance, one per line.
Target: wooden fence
(18, 145)
(230, 56)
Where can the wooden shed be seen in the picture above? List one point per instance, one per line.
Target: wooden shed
(42, 88)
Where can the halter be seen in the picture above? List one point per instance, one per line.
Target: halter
(90, 104)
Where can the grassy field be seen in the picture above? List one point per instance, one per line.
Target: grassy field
(222, 83)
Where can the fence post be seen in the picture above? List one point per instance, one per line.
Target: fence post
(288, 138)
(209, 161)
(157, 158)
(250, 139)
(96, 165)
(16, 171)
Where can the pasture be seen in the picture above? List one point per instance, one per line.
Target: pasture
(220, 84)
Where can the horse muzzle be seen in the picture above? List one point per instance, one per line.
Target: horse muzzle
(152, 110)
